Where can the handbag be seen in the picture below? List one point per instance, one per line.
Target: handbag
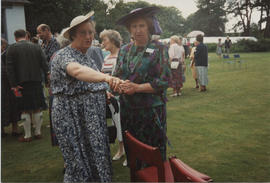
(112, 134)
(174, 64)
(112, 131)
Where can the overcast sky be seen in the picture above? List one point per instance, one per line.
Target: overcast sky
(189, 6)
(185, 6)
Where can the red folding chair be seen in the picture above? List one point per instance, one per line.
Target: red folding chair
(158, 170)
(184, 173)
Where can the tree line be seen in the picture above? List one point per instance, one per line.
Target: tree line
(210, 17)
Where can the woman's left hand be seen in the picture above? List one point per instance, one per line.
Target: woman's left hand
(128, 87)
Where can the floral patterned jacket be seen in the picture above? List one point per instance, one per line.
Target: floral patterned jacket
(152, 67)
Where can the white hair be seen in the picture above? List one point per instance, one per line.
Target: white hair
(62, 40)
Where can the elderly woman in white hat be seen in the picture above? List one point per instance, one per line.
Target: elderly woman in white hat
(78, 110)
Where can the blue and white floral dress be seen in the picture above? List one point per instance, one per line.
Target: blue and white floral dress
(78, 117)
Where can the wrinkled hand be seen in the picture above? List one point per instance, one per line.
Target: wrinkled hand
(114, 82)
(128, 87)
(16, 91)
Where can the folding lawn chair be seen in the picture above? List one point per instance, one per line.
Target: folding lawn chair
(226, 60)
(239, 61)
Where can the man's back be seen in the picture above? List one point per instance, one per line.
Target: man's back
(24, 62)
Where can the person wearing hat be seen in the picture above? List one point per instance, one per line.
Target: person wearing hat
(144, 67)
(78, 110)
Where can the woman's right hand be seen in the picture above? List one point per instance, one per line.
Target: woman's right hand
(114, 82)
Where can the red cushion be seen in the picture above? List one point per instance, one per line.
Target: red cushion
(150, 174)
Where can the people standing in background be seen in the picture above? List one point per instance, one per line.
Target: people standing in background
(185, 44)
(187, 52)
(50, 46)
(34, 40)
(49, 43)
(201, 63)
(9, 104)
(192, 64)
(111, 41)
(25, 63)
(28, 36)
(219, 48)
(227, 45)
(176, 54)
(183, 52)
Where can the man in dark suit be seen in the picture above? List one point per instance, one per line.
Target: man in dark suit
(25, 62)
(227, 45)
(201, 63)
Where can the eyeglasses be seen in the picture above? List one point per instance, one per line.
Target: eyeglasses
(85, 33)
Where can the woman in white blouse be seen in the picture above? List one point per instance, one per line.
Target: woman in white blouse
(177, 56)
(111, 41)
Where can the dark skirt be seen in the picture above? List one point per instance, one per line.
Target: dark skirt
(32, 96)
(147, 125)
(177, 77)
(9, 106)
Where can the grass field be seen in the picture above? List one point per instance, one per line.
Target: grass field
(224, 132)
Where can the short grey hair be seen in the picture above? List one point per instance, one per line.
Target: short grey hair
(113, 36)
(63, 42)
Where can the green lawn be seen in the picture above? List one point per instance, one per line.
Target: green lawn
(224, 132)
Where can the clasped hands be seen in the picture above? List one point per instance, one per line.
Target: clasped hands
(121, 86)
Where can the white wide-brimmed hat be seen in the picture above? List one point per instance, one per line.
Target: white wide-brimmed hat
(76, 21)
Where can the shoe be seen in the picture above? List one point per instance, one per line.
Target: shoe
(117, 156)
(125, 162)
(197, 86)
(179, 94)
(38, 137)
(173, 95)
(22, 139)
(203, 90)
(16, 134)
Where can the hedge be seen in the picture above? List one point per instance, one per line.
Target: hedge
(262, 45)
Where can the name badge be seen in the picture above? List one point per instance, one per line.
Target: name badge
(149, 50)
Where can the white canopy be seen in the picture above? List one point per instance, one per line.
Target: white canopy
(195, 33)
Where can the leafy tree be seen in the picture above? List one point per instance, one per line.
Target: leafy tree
(264, 7)
(58, 14)
(171, 21)
(242, 9)
(209, 18)
(170, 18)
